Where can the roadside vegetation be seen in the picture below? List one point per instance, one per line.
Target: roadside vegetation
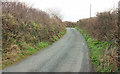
(26, 30)
(102, 34)
(99, 54)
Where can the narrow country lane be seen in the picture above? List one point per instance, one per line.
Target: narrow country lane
(69, 54)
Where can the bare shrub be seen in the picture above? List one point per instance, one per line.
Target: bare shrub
(23, 25)
(104, 27)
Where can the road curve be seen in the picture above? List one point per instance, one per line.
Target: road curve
(69, 54)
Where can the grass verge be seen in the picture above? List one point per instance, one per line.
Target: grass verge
(97, 50)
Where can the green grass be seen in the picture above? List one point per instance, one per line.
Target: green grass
(30, 50)
(96, 52)
(56, 37)
(42, 44)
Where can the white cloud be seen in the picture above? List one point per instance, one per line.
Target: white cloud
(73, 10)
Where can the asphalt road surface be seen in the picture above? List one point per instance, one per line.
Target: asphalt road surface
(69, 54)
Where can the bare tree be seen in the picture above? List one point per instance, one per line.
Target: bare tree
(54, 13)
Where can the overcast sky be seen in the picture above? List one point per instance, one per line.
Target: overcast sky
(73, 10)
